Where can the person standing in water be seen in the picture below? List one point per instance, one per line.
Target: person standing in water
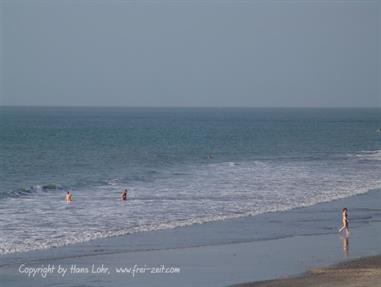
(124, 195)
(345, 221)
(68, 196)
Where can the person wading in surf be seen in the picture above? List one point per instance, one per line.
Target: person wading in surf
(68, 196)
(124, 195)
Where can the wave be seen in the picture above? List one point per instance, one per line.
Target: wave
(23, 191)
(83, 237)
(196, 195)
(369, 155)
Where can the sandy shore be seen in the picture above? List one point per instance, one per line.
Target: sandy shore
(364, 272)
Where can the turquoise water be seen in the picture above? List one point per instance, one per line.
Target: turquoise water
(261, 160)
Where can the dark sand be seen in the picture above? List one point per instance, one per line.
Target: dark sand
(364, 272)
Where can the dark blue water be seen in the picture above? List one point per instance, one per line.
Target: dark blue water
(260, 160)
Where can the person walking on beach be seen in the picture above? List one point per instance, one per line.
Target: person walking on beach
(68, 196)
(345, 220)
(124, 195)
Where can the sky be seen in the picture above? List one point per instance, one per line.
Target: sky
(190, 53)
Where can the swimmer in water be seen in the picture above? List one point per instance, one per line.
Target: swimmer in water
(124, 195)
(345, 221)
(69, 197)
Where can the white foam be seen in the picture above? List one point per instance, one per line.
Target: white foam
(369, 155)
(199, 194)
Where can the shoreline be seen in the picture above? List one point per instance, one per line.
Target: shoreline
(362, 272)
(252, 249)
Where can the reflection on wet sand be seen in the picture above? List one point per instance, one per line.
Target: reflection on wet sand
(345, 241)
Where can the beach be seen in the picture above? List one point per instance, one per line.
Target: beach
(190, 143)
(240, 256)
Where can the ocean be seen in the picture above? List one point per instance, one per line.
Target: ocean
(181, 166)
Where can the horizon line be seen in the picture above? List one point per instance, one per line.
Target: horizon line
(182, 107)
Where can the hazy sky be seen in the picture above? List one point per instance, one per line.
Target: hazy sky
(191, 53)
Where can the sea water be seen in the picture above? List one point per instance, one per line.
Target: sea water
(181, 166)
